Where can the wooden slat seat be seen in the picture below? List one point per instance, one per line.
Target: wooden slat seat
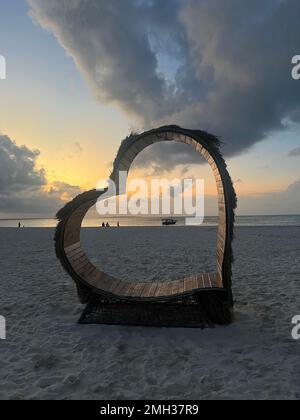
(137, 290)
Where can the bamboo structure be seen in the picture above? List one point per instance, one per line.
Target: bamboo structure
(197, 301)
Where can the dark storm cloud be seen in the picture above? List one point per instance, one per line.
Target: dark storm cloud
(18, 167)
(23, 186)
(232, 61)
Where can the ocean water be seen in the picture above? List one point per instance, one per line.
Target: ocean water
(283, 220)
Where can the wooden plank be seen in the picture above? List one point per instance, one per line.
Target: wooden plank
(210, 160)
(221, 238)
(166, 288)
(145, 290)
(105, 282)
(199, 281)
(218, 177)
(210, 280)
(126, 163)
(222, 234)
(72, 247)
(177, 287)
(169, 287)
(199, 148)
(206, 155)
(215, 280)
(206, 281)
(119, 289)
(186, 139)
(152, 290)
(161, 136)
(82, 267)
(88, 278)
(131, 154)
(222, 229)
(138, 289)
(195, 282)
(78, 257)
(92, 279)
(83, 271)
(220, 256)
(159, 290)
(214, 166)
(180, 286)
(128, 289)
(219, 281)
(79, 264)
(128, 159)
(182, 138)
(114, 286)
(220, 248)
(222, 218)
(121, 167)
(148, 140)
(109, 283)
(222, 205)
(171, 136)
(74, 253)
(88, 272)
(188, 284)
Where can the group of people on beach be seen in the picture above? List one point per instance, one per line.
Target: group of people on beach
(107, 225)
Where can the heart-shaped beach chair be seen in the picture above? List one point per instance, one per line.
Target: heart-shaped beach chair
(197, 301)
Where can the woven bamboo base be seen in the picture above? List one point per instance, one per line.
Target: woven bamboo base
(178, 314)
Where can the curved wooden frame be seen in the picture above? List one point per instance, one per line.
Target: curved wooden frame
(91, 280)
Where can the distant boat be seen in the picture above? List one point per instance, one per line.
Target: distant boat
(168, 222)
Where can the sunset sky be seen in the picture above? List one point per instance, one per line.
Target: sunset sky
(81, 75)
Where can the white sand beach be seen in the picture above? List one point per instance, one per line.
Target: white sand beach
(47, 355)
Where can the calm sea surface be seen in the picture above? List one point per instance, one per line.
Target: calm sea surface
(155, 221)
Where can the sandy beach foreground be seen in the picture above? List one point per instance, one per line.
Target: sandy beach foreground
(47, 355)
